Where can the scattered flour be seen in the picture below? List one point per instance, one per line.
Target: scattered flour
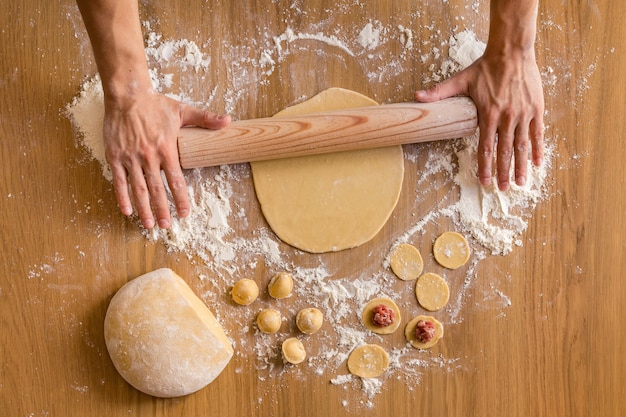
(494, 219)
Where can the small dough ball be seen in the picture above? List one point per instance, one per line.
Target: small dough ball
(309, 320)
(431, 338)
(406, 262)
(162, 338)
(269, 320)
(432, 292)
(368, 361)
(280, 285)
(451, 250)
(245, 291)
(293, 350)
(380, 320)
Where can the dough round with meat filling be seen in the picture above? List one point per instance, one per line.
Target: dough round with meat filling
(409, 332)
(368, 314)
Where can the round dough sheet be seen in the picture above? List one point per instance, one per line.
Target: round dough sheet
(329, 202)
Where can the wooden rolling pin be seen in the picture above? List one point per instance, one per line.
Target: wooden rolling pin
(333, 131)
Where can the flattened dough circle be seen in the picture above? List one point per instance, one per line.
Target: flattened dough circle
(329, 202)
(451, 250)
(406, 262)
(432, 292)
(368, 361)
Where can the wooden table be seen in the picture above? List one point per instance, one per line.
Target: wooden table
(556, 350)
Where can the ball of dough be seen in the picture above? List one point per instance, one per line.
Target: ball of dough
(309, 320)
(161, 337)
(280, 285)
(293, 350)
(406, 262)
(245, 291)
(451, 250)
(269, 320)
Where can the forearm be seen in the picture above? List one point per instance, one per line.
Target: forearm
(513, 26)
(117, 41)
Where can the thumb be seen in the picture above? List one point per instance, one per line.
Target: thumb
(451, 87)
(203, 118)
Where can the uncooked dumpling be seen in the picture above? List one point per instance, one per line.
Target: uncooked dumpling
(329, 202)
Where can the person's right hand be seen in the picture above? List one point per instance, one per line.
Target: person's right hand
(140, 136)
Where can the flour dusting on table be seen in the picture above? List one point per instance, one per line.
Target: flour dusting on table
(493, 220)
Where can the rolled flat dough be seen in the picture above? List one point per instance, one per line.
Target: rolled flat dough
(432, 292)
(406, 262)
(329, 202)
(368, 361)
(451, 250)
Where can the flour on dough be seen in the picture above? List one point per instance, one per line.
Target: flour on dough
(406, 262)
(368, 361)
(329, 202)
(451, 250)
(432, 292)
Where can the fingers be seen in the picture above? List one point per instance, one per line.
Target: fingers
(453, 86)
(511, 142)
(149, 193)
(202, 118)
(140, 150)
(120, 184)
(486, 146)
(536, 138)
(178, 186)
(506, 132)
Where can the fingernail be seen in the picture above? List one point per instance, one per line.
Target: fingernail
(164, 223)
(521, 180)
(148, 223)
(183, 212)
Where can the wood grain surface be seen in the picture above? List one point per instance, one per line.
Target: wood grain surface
(555, 350)
(270, 138)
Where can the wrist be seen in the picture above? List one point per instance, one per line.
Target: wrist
(512, 27)
(126, 82)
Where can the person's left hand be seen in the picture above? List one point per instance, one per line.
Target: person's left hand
(140, 135)
(508, 95)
